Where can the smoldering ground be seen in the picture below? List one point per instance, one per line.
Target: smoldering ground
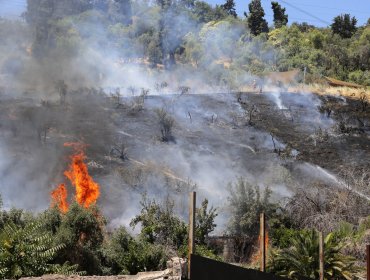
(95, 95)
(213, 144)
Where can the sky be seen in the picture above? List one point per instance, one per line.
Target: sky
(316, 12)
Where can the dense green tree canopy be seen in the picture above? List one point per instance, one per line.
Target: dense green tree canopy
(229, 7)
(256, 21)
(344, 25)
(166, 32)
(280, 18)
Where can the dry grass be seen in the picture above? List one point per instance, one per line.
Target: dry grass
(321, 89)
(355, 93)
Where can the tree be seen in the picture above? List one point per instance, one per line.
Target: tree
(303, 27)
(229, 7)
(62, 88)
(193, 49)
(166, 123)
(41, 15)
(159, 224)
(344, 25)
(81, 230)
(256, 22)
(280, 18)
(121, 11)
(204, 12)
(154, 50)
(205, 221)
(246, 202)
(301, 258)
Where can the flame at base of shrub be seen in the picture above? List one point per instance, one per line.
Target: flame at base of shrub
(256, 257)
(87, 191)
(59, 198)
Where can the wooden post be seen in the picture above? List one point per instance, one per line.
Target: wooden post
(321, 255)
(262, 242)
(191, 244)
(368, 261)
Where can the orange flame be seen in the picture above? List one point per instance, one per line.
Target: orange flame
(256, 256)
(87, 191)
(59, 198)
(266, 241)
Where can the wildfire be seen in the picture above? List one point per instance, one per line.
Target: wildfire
(257, 255)
(266, 241)
(59, 198)
(87, 191)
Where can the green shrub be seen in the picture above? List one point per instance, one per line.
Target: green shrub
(26, 251)
(301, 258)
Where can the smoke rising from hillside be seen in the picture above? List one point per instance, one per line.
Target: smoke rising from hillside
(213, 145)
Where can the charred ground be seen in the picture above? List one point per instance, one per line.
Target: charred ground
(332, 131)
(273, 139)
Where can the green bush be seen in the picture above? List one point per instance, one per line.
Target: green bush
(82, 232)
(26, 251)
(360, 77)
(246, 202)
(127, 255)
(301, 258)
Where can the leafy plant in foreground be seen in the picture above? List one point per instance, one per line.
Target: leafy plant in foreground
(26, 251)
(302, 258)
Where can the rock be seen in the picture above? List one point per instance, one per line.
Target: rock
(178, 268)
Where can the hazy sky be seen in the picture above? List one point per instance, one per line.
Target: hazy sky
(316, 12)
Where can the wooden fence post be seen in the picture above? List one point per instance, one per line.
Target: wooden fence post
(262, 242)
(321, 255)
(368, 261)
(191, 244)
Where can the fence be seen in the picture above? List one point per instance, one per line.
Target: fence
(207, 269)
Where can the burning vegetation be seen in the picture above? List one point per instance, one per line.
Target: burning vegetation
(59, 198)
(171, 97)
(86, 190)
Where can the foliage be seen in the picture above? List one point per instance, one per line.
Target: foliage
(219, 44)
(229, 7)
(168, 32)
(301, 258)
(204, 221)
(159, 224)
(205, 251)
(281, 237)
(344, 25)
(280, 18)
(126, 255)
(15, 216)
(67, 269)
(256, 22)
(81, 230)
(26, 251)
(246, 202)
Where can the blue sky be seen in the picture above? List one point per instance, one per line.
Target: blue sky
(316, 12)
